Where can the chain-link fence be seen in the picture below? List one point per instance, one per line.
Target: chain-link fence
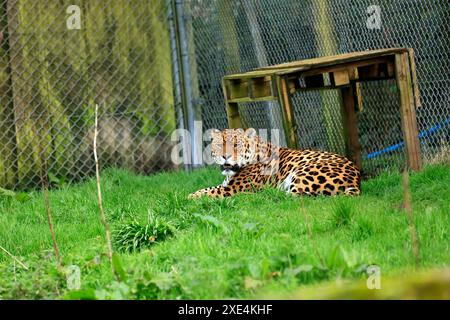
(237, 36)
(155, 65)
(60, 58)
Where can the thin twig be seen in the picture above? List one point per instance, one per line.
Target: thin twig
(99, 193)
(14, 258)
(408, 208)
(44, 185)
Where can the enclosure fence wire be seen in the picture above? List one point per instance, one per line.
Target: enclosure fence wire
(53, 72)
(123, 57)
(230, 37)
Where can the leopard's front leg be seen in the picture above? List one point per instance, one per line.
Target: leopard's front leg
(214, 192)
(247, 179)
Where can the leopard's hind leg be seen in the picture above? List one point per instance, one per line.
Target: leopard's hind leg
(293, 184)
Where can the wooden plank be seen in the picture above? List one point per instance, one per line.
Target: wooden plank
(369, 72)
(233, 116)
(350, 121)
(407, 111)
(303, 89)
(324, 64)
(335, 67)
(412, 63)
(357, 92)
(260, 87)
(341, 77)
(350, 67)
(287, 113)
(337, 59)
(237, 89)
(258, 73)
(250, 99)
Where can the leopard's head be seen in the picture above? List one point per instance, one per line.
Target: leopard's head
(233, 149)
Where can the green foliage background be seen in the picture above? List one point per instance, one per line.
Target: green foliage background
(52, 77)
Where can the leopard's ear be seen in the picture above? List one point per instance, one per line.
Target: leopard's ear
(215, 133)
(250, 133)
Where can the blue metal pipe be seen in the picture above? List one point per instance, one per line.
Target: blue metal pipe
(422, 134)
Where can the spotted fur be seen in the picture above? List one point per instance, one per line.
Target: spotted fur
(249, 164)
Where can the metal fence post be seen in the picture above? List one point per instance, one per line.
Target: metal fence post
(181, 114)
(186, 84)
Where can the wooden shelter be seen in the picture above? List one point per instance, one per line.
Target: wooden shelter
(343, 72)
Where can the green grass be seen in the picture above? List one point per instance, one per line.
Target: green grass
(172, 247)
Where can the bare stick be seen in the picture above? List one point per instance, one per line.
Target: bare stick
(408, 208)
(44, 185)
(14, 258)
(99, 193)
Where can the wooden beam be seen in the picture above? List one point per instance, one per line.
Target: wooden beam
(337, 67)
(337, 59)
(237, 88)
(260, 87)
(369, 72)
(249, 99)
(234, 118)
(412, 64)
(408, 111)
(350, 120)
(287, 112)
(354, 76)
(341, 77)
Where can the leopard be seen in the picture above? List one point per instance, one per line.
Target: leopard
(251, 163)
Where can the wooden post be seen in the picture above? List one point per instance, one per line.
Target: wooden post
(287, 112)
(350, 121)
(234, 118)
(407, 110)
(353, 74)
(412, 65)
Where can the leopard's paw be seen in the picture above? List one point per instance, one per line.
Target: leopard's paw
(194, 195)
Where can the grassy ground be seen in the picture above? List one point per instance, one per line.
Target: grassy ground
(232, 248)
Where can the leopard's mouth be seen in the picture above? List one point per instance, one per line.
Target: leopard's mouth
(229, 168)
